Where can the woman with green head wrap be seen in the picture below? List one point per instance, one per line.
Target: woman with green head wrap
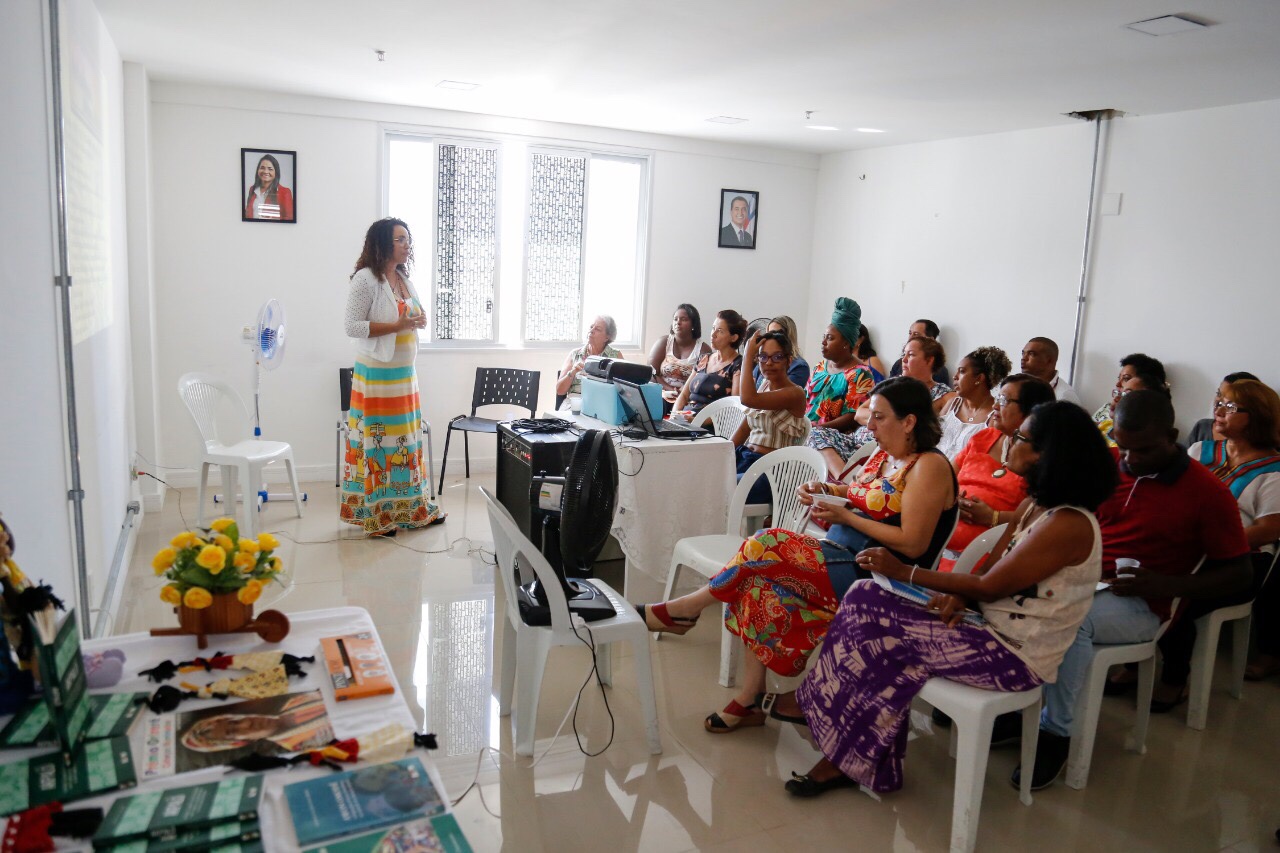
(838, 386)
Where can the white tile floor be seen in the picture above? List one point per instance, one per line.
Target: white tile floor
(431, 596)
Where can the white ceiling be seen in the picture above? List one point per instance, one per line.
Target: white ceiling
(919, 69)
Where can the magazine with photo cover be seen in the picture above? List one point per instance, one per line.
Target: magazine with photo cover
(357, 800)
(276, 725)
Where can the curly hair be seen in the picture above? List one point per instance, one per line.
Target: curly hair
(1075, 467)
(990, 362)
(1149, 370)
(379, 246)
(908, 396)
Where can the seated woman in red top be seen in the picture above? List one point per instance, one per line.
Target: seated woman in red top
(783, 588)
(989, 490)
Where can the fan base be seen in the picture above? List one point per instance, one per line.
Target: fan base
(587, 601)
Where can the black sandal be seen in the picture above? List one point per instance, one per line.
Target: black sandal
(807, 786)
(766, 705)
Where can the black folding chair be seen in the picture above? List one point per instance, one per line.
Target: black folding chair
(344, 406)
(494, 386)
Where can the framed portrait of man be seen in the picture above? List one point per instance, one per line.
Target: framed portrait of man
(739, 210)
(268, 185)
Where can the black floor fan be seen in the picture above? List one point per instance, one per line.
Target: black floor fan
(578, 513)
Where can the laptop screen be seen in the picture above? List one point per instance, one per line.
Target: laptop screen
(633, 402)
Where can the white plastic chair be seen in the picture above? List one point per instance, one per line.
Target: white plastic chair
(525, 647)
(1208, 627)
(977, 549)
(1084, 725)
(973, 712)
(785, 469)
(242, 460)
(724, 414)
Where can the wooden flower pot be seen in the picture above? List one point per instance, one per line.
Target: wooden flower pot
(227, 615)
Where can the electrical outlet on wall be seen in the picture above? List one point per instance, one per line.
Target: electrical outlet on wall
(133, 472)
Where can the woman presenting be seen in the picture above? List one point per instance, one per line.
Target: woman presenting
(382, 483)
(267, 199)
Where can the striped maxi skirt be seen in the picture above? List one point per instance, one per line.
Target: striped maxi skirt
(879, 652)
(382, 480)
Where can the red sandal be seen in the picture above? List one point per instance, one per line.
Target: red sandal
(657, 618)
(742, 718)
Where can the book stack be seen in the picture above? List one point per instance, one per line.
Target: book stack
(64, 717)
(396, 798)
(220, 815)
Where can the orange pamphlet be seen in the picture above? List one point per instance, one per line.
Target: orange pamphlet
(357, 667)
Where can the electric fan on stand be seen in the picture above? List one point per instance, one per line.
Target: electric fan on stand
(578, 511)
(266, 337)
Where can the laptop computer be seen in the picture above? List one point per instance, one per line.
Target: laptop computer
(637, 411)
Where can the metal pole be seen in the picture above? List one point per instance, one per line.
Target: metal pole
(1097, 117)
(63, 282)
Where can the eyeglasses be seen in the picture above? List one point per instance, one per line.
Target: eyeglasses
(776, 358)
(1002, 400)
(1229, 407)
(1018, 435)
(403, 241)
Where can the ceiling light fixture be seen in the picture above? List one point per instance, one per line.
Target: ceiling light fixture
(870, 130)
(381, 54)
(458, 85)
(808, 114)
(725, 120)
(1167, 25)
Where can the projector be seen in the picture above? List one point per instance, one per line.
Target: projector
(610, 369)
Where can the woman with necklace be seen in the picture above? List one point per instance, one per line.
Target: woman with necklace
(719, 373)
(782, 588)
(600, 334)
(838, 385)
(989, 490)
(965, 410)
(384, 423)
(881, 649)
(675, 355)
(1246, 461)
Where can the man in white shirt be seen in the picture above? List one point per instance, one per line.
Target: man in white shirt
(1040, 359)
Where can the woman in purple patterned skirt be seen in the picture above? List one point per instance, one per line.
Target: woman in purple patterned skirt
(881, 649)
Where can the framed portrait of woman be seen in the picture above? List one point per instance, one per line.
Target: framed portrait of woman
(737, 225)
(268, 185)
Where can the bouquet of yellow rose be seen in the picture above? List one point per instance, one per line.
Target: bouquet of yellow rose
(213, 561)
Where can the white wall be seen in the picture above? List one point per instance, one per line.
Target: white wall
(1189, 270)
(987, 232)
(93, 106)
(33, 456)
(212, 271)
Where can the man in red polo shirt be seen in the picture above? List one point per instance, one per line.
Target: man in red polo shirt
(1167, 512)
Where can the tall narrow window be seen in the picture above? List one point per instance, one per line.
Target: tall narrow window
(553, 266)
(466, 243)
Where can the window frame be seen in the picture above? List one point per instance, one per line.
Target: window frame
(544, 144)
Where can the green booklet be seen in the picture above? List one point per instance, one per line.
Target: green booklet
(434, 835)
(239, 836)
(163, 815)
(358, 800)
(62, 678)
(110, 715)
(97, 767)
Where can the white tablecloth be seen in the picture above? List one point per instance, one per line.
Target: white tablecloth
(667, 490)
(349, 719)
